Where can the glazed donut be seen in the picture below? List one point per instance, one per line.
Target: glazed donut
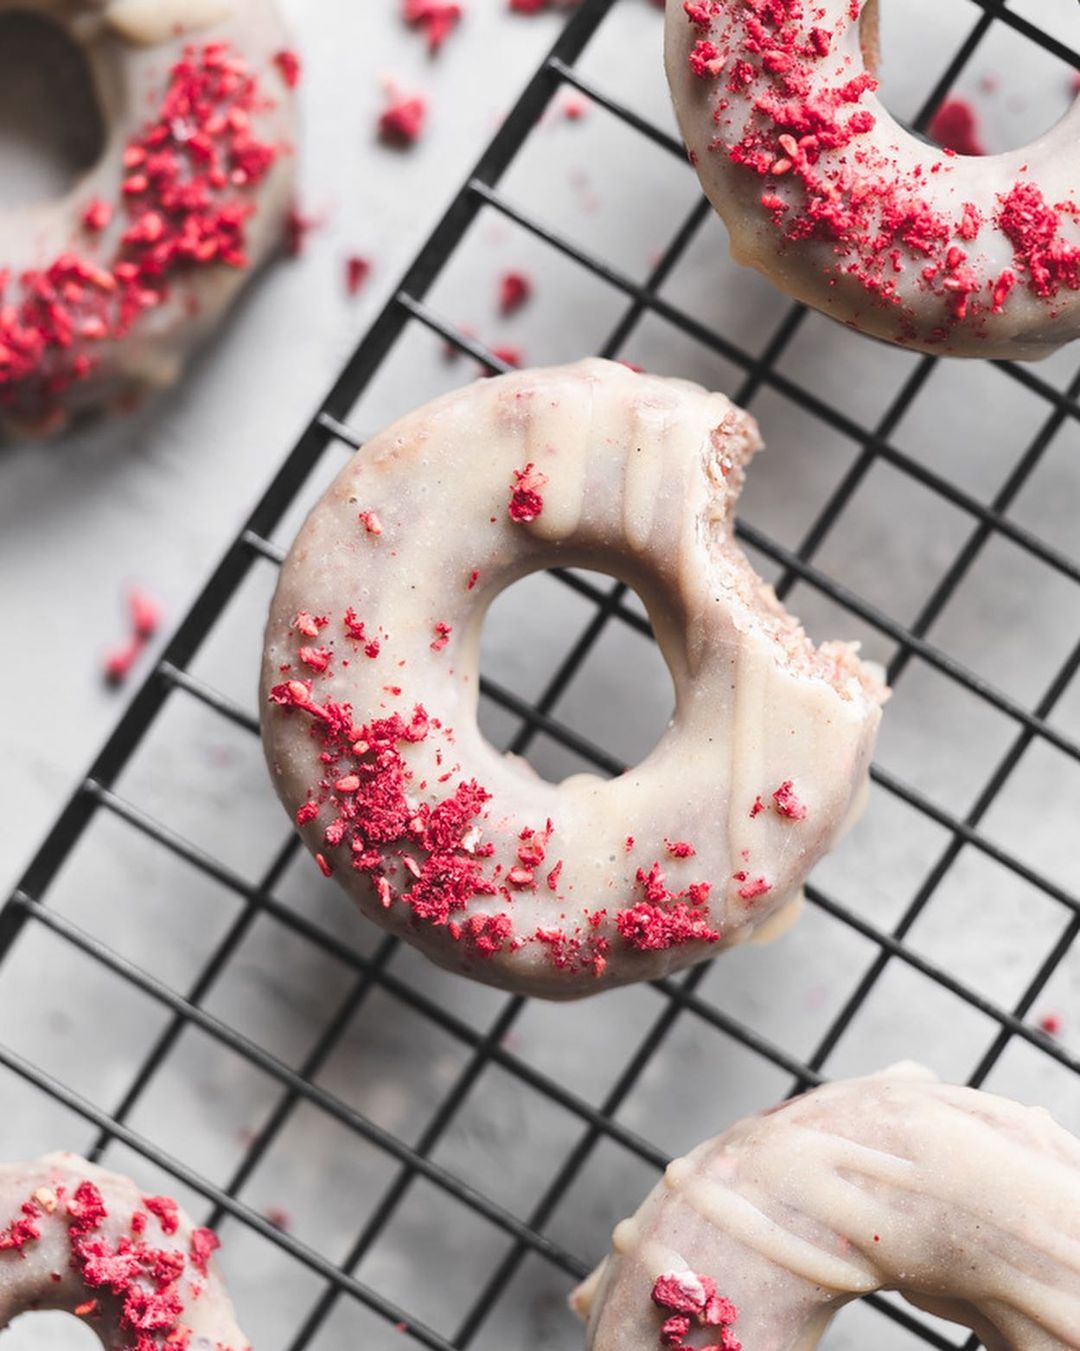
(966, 1203)
(830, 198)
(371, 674)
(106, 292)
(77, 1238)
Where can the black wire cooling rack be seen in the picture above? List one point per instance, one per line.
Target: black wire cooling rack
(547, 1231)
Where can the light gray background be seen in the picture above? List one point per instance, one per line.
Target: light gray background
(156, 498)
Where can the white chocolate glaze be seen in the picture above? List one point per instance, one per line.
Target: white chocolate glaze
(639, 478)
(862, 220)
(966, 1203)
(131, 47)
(62, 1267)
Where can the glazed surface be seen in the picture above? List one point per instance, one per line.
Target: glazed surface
(371, 672)
(108, 290)
(78, 1238)
(828, 196)
(966, 1203)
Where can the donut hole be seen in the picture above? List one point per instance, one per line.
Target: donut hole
(612, 689)
(50, 1330)
(51, 124)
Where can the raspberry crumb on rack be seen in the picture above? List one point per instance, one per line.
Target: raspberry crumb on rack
(526, 503)
(955, 127)
(357, 271)
(288, 63)
(1052, 1024)
(788, 803)
(509, 356)
(437, 19)
(515, 289)
(402, 122)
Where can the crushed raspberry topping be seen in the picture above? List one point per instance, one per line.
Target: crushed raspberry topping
(442, 636)
(526, 504)
(691, 1300)
(186, 199)
(788, 111)
(437, 19)
(665, 919)
(788, 803)
(750, 888)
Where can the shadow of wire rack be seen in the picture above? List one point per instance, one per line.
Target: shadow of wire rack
(452, 1160)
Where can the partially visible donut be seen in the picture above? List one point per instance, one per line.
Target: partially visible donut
(966, 1203)
(77, 1238)
(371, 676)
(830, 198)
(105, 293)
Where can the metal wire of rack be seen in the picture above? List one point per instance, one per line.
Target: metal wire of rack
(409, 1159)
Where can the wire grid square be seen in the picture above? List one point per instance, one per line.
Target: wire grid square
(391, 1152)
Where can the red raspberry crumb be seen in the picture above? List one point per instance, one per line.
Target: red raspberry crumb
(86, 1308)
(437, 19)
(166, 1210)
(402, 122)
(204, 1243)
(324, 867)
(757, 808)
(788, 804)
(526, 504)
(357, 271)
(120, 660)
(574, 107)
(1052, 1024)
(289, 64)
(97, 215)
(680, 848)
(279, 1218)
(752, 887)
(706, 60)
(955, 127)
(145, 613)
(509, 356)
(308, 624)
(442, 636)
(297, 228)
(515, 289)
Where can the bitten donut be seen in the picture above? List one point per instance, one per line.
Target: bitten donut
(965, 1203)
(370, 686)
(837, 204)
(105, 293)
(77, 1238)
